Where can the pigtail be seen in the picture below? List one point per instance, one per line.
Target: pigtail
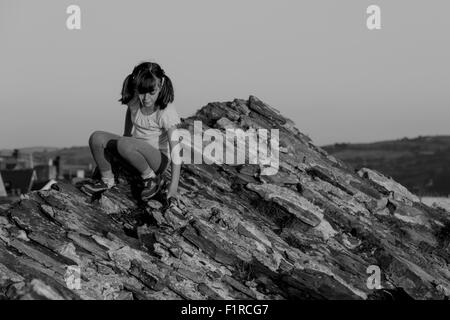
(127, 89)
(166, 95)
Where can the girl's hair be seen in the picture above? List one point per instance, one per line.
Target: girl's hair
(143, 79)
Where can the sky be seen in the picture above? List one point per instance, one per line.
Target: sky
(313, 60)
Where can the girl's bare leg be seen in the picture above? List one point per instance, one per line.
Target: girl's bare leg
(98, 142)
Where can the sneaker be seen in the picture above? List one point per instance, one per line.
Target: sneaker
(98, 186)
(151, 187)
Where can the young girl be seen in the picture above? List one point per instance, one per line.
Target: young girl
(149, 123)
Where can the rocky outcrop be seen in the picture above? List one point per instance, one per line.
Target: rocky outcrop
(311, 231)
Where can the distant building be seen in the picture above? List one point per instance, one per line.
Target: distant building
(10, 163)
(2, 188)
(57, 164)
(15, 166)
(17, 182)
(45, 172)
(70, 171)
(15, 161)
(80, 173)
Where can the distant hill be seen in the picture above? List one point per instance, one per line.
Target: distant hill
(421, 164)
(28, 150)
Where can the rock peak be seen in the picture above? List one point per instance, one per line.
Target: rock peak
(311, 231)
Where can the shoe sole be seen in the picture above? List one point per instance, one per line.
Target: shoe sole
(90, 192)
(148, 197)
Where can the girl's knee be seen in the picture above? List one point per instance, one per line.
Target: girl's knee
(95, 138)
(99, 138)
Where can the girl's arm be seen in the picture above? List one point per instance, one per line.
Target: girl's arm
(175, 165)
(128, 124)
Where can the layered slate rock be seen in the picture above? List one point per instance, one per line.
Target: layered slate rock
(308, 232)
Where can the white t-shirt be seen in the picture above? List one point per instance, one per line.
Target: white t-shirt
(153, 128)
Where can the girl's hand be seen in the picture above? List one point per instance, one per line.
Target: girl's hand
(171, 193)
(171, 200)
(171, 190)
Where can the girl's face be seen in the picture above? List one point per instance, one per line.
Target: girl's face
(148, 99)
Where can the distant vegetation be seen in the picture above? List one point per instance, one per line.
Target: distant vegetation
(421, 164)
